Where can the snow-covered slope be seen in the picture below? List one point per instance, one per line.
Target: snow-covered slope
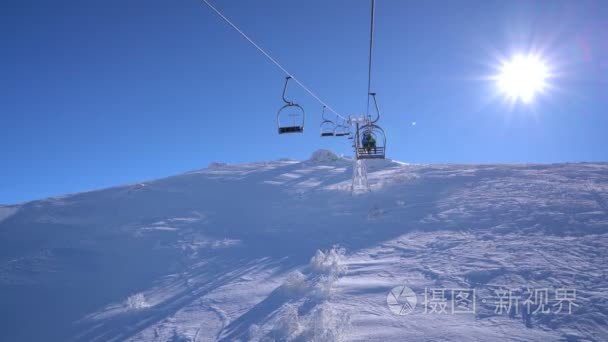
(282, 251)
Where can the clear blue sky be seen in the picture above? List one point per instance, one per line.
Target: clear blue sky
(94, 94)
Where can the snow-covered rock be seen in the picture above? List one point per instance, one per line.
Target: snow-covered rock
(324, 156)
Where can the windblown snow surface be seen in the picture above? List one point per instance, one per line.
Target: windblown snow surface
(282, 251)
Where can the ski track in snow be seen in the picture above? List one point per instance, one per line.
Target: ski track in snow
(281, 251)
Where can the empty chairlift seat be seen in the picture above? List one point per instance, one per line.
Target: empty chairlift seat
(290, 118)
(327, 128)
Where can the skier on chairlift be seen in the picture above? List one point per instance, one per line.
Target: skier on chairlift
(369, 142)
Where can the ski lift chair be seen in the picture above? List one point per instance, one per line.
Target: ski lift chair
(290, 118)
(373, 153)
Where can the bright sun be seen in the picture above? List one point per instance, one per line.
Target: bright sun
(523, 77)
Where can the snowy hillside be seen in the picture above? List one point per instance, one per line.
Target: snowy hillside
(281, 251)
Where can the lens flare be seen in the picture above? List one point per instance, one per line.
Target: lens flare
(523, 77)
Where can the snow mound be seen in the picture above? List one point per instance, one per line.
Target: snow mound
(321, 156)
(329, 266)
(295, 283)
(137, 302)
(323, 324)
(326, 324)
(308, 313)
(329, 262)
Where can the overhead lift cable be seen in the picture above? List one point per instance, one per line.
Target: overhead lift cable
(274, 61)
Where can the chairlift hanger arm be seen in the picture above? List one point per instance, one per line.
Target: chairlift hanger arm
(323, 114)
(285, 90)
(373, 95)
